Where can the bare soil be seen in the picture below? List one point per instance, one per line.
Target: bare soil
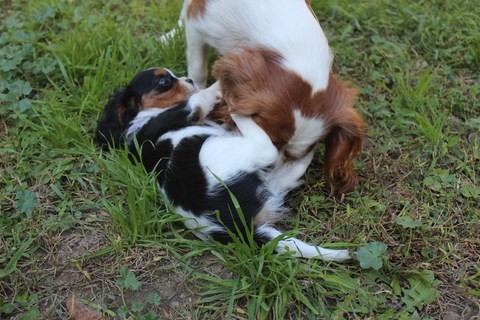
(63, 273)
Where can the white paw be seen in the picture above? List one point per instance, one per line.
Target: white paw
(203, 102)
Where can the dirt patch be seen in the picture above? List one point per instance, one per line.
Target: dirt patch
(66, 273)
(457, 305)
(175, 285)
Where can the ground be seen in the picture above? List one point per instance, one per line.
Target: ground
(86, 232)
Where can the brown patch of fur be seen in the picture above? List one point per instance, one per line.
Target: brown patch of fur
(221, 115)
(197, 116)
(345, 138)
(196, 9)
(162, 100)
(121, 114)
(251, 83)
(266, 217)
(160, 71)
(121, 110)
(255, 84)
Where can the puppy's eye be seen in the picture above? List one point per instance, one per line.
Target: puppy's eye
(164, 81)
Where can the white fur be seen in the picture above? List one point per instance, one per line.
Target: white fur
(201, 226)
(285, 26)
(177, 136)
(307, 132)
(287, 175)
(227, 155)
(141, 119)
(206, 99)
(304, 250)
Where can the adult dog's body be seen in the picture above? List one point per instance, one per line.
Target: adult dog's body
(197, 166)
(275, 67)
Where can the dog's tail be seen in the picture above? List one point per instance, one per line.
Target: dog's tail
(299, 248)
(170, 35)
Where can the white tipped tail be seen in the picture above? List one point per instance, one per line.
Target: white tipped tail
(301, 249)
(167, 37)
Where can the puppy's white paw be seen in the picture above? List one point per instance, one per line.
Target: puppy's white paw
(203, 102)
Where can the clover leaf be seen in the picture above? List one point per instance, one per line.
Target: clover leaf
(370, 255)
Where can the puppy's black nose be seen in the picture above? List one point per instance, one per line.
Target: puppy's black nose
(189, 80)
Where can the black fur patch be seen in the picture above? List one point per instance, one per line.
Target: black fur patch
(117, 114)
(248, 190)
(185, 182)
(170, 120)
(152, 150)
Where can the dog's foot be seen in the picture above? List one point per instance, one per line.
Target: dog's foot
(202, 102)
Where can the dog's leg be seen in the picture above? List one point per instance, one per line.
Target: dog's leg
(302, 249)
(257, 138)
(203, 101)
(287, 176)
(226, 156)
(197, 52)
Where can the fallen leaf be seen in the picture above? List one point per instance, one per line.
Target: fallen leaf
(77, 310)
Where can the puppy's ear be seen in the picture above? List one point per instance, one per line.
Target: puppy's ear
(233, 77)
(344, 141)
(117, 114)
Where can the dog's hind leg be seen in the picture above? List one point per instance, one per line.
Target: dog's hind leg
(299, 248)
(262, 147)
(286, 176)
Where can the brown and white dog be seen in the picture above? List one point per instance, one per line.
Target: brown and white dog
(275, 66)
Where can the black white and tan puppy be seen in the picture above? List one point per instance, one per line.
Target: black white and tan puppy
(197, 165)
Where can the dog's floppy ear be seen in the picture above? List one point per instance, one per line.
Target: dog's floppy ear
(117, 114)
(247, 77)
(344, 141)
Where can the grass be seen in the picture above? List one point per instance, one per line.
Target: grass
(78, 221)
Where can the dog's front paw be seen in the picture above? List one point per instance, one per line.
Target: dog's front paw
(196, 115)
(202, 102)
